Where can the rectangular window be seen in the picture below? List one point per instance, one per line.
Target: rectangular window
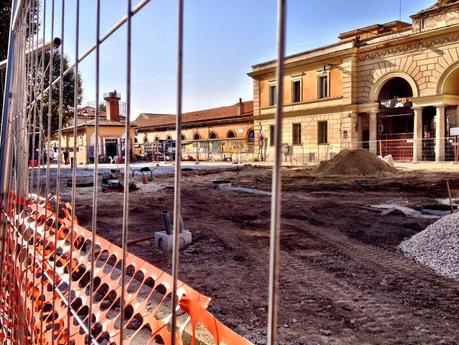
(296, 91)
(296, 133)
(271, 135)
(323, 132)
(323, 86)
(272, 95)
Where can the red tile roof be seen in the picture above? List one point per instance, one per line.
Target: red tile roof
(232, 111)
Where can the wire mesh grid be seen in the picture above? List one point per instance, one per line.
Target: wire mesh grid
(59, 282)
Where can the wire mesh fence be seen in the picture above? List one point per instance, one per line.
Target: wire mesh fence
(113, 151)
(61, 283)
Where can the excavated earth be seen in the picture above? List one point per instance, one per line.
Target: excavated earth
(343, 278)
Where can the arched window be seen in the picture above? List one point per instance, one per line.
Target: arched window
(168, 137)
(231, 134)
(395, 87)
(196, 136)
(251, 136)
(213, 136)
(145, 139)
(156, 139)
(183, 137)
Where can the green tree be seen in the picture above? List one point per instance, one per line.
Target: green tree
(68, 94)
(102, 107)
(5, 15)
(5, 12)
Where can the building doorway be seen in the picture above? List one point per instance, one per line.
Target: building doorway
(396, 120)
(428, 133)
(111, 147)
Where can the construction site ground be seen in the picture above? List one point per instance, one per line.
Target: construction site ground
(343, 279)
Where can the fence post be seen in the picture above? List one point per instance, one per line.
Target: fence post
(5, 140)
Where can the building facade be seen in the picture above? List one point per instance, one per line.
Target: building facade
(112, 134)
(214, 134)
(391, 88)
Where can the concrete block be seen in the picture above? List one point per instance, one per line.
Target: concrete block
(165, 241)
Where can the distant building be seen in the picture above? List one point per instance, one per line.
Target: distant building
(210, 132)
(392, 88)
(111, 133)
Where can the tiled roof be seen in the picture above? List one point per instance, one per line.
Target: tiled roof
(151, 120)
(102, 122)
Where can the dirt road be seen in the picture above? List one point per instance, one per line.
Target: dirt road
(343, 280)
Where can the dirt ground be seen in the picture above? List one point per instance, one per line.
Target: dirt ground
(343, 281)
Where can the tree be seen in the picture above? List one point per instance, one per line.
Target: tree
(5, 13)
(102, 107)
(68, 94)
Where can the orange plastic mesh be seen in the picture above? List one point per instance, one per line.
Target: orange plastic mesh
(34, 237)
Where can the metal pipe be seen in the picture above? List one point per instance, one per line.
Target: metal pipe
(127, 159)
(74, 166)
(166, 221)
(5, 146)
(110, 32)
(96, 175)
(5, 140)
(58, 175)
(178, 171)
(139, 240)
(15, 11)
(40, 138)
(274, 253)
(46, 46)
(48, 163)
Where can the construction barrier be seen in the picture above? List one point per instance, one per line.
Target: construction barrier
(41, 252)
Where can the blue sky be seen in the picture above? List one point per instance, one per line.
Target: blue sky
(223, 39)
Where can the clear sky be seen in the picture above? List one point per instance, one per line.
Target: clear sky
(223, 39)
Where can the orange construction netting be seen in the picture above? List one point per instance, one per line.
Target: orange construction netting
(34, 295)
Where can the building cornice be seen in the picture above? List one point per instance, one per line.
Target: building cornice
(196, 124)
(412, 42)
(390, 44)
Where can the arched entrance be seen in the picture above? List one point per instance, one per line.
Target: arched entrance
(449, 86)
(213, 142)
(251, 140)
(449, 83)
(395, 120)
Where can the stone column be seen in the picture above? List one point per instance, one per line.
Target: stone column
(374, 131)
(417, 135)
(440, 134)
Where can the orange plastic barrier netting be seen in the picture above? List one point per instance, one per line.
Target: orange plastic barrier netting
(35, 238)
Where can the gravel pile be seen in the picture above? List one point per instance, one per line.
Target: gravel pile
(437, 246)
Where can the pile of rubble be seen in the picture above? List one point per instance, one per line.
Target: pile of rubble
(437, 246)
(355, 163)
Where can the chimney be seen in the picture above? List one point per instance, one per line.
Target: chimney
(113, 106)
(239, 110)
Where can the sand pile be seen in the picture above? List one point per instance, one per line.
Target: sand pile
(354, 162)
(437, 246)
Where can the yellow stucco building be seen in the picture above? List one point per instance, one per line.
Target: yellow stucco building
(211, 134)
(392, 88)
(112, 134)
